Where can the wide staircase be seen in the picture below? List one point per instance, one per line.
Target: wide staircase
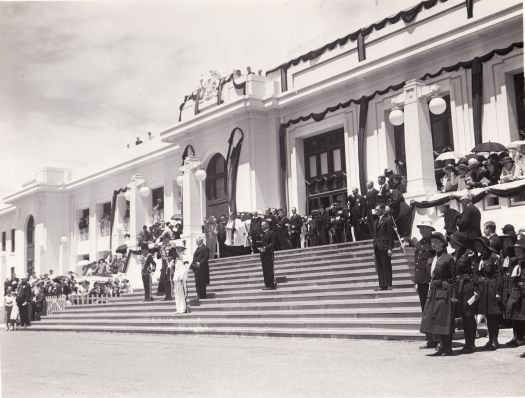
(325, 291)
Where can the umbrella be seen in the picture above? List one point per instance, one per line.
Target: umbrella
(516, 143)
(82, 263)
(489, 147)
(445, 158)
(122, 249)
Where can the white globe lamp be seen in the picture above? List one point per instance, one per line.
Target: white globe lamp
(127, 195)
(144, 192)
(200, 175)
(437, 105)
(63, 240)
(396, 117)
(180, 181)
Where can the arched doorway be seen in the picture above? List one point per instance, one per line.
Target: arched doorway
(30, 242)
(216, 187)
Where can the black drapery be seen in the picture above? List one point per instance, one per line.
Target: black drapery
(477, 98)
(282, 167)
(232, 165)
(407, 16)
(284, 79)
(112, 214)
(222, 82)
(470, 8)
(188, 151)
(361, 142)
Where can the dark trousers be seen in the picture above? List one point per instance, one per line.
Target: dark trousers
(323, 236)
(383, 267)
(296, 240)
(200, 283)
(168, 287)
(493, 327)
(267, 267)
(222, 249)
(146, 281)
(469, 328)
(422, 291)
(518, 329)
(24, 313)
(339, 236)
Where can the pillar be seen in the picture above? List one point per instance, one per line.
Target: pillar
(61, 255)
(192, 203)
(137, 210)
(418, 139)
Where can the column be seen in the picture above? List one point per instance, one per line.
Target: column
(92, 234)
(418, 141)
(192, 203)
(169, 199)
(137, 210)
(61, 255)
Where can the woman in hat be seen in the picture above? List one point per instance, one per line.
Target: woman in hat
(9, 303)
(448, 181)
(508, 171)
(508, 239)
(466, 288)
(438, 313)
(516, 304)
(182, 266)
(490, 289)
(461, 179)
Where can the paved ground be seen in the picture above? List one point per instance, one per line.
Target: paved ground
(123, 365)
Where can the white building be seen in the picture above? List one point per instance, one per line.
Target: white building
(309, 163)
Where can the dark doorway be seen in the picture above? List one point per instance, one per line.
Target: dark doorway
(216, 187)
(30, 238)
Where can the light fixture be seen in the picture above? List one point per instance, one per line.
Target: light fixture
(180, 180)
(437, 105)
(144, 191)
(127, 195)
(200, 175)
(63, 240)
(396, 116)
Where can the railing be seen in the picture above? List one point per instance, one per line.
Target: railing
(83, 299)
(54, 304)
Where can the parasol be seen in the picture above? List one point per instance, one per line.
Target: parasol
(489, 147)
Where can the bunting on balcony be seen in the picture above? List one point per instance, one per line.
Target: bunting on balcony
(361, 141)
(223, 81)
(470, 8)
(112, 214)
(232, 165)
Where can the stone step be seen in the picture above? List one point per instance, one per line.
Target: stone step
(300, 323)
(168, 313)
(385, 303)
(340, 333)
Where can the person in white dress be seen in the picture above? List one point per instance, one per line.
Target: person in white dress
(182, 267)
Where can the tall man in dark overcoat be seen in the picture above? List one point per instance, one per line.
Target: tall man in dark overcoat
(255, 232)
(383, 234)
(147, 267)
(269, 242)
(370, 204)
(322, 224)
(23, 300)
(358, 214)
(469, 221)
(221, 235)
(296, 222)
(200, 267)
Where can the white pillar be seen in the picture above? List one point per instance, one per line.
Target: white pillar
(137, 210)
(418, 139)
(61, 255)
(192, 207)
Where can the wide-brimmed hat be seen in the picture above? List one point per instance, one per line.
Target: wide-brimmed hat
(508, 229)
(179, 243)
(485, 242)
(520, 244)
(448, 166)
(460, 238)
(507, 159)
(462, 166)
(439, 236)
(426, 223)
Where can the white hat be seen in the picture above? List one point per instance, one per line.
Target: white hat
(178, 243)
(473, 161)
(426, 223)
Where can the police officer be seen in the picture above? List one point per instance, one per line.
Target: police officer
(423, 262)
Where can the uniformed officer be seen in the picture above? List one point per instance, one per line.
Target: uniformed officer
(423, 262)
(147, 266)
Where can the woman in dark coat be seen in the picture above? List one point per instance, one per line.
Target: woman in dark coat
(516, 303)
(438, 314)
(508, 239)
(490, 286)
(466, 285)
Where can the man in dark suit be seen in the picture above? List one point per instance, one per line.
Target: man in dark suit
(221, 235)
(322, 225)
(269, 241)
(370, 204)
(296, 222)
(358, 213)
(255, 232)
(489, 230)
(23, 300)
(383, 233)
(147, 266)
(469, 221)
(200, 267)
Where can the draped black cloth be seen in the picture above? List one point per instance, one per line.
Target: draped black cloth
(112, 213)
(223, 81)
(232, 164)
(188, 150)
(470, 8)
(361, 141)
(282, 166)
(284, 79)
(477, 98)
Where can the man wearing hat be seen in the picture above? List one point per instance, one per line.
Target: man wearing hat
(469, 220)
(296, 223)
(475, 173)
(23, 300)
(489, 230)
(508, 171)
(423, 261)
(168, 254)
(383, 234)
(516, 304)
(383, 191)
(200, 267)
(358, 214)
(147, 267)
(371, 200)
(269, 241)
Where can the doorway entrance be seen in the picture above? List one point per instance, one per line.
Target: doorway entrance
(216, 187)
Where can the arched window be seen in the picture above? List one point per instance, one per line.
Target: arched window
(216, 187)
(30, 241)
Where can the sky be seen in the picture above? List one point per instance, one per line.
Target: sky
(80, 80)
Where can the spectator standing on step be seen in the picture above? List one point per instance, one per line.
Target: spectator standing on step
(269, 241)
(182, 266)
(23, 300)
(515, 307)
(424, 255)
(438, 314)
(469, 221)
(200, 267)
(296, 222)
(383, 233)
(147, 266)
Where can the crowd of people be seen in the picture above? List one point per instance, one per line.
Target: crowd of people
(25, 298)
(463, 274)
(477, 171)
